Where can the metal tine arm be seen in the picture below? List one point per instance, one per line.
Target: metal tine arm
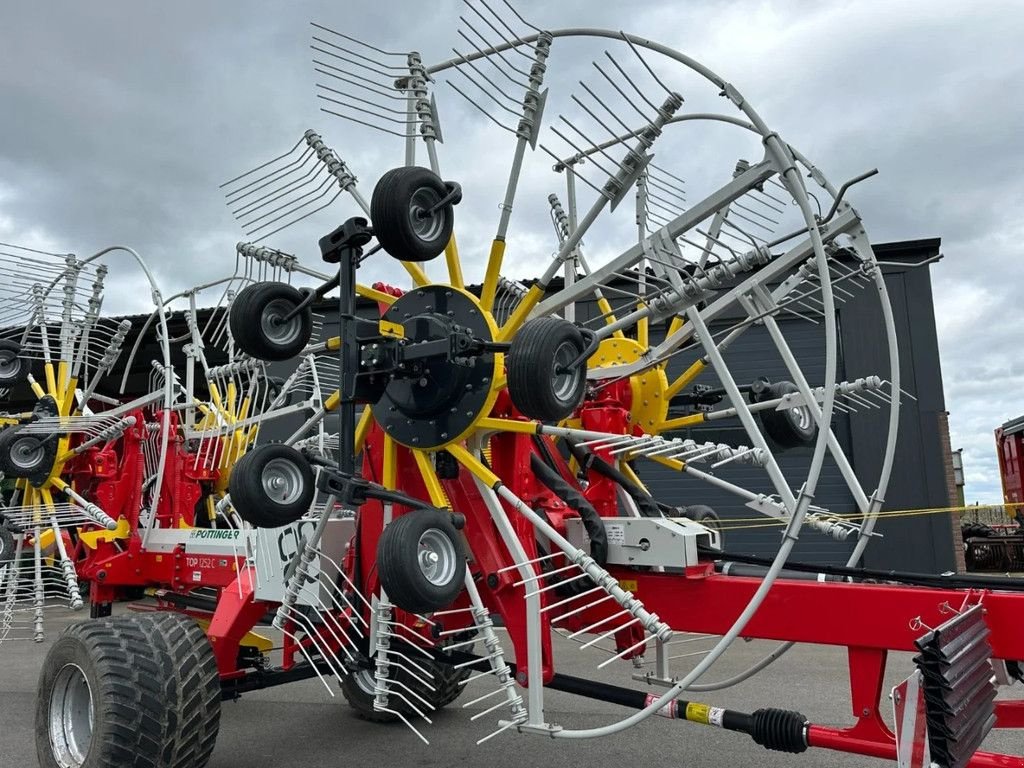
(359, 60)
(258, 168)
(516, 41)
(356, 40)
(268, 179)
(352, 78)
(469, 62)
(488, 45)
(615, 188)
(277, 192)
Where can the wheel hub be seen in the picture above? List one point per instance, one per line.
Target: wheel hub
(437, 399)
(71, 717)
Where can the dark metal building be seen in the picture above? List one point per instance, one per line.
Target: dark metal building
(920, 479)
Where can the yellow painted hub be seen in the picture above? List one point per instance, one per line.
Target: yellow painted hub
(650, 388)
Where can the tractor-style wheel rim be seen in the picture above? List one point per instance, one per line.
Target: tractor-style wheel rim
(71, 717)
(275, 327)
(426, 225)
(437, 557)
(282, 481)
(10, 364)
(801, 417)
(27, 453)
(565, 381)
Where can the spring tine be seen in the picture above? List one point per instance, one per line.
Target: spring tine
(568, 141)
(589, 628)
(862, 400)
(270, 178)
(252, 207)
(622, 653)
(360, 82)
(542, 590)
(588, 140)
(488, 114)
(798, 315)
(319, 193)
(259, 167)
(472, 65)
(516, 41)
(514, 12)
(671, 198)
(751, 211)
(737, 214)
(356, 40)
(630, 80)
(620, 91)
(397, 69)
(609, 633)
(535, 577)
(660, 207)
(352, 96)
(715, 240)
(732, 458)
(371, 112)
(751, 239)
(759, 193)
(500, 55)
(647, 66)
(562, 602)
(656, 181)
(491, 47)
(380, 128)
(634, 444)
(612, 133)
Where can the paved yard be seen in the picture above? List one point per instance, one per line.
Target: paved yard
(302, 725)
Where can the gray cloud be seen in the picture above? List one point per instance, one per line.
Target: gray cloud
(119, 120)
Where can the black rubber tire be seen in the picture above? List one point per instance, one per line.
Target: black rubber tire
(447, 682)
(706, 516)
(541, 347)
(7, 546)
(251, 499)
(789, 428)
(396, 198)
(398, 558)
(251, 319)
(14, 369)
(274, 386)
(154, 690)
(25, 454)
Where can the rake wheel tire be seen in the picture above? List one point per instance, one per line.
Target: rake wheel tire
(790, 427)
(23, 454)
(536, 386)
(421, 561)
(272, 486)
(255, 319)
(706, 516)
(401, 196)
(140, 690)
(7, 546)
(357, 688)
(14, 369)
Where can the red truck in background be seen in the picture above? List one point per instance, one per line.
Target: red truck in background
(994, 547)
(1010, 449)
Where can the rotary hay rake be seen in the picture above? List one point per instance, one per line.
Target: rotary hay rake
(494, 470)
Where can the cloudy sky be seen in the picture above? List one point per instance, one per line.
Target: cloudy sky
(118, 121)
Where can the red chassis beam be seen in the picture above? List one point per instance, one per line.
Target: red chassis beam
(827, 613)
(869, 619)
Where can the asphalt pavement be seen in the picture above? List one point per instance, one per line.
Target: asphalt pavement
(301, 724)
